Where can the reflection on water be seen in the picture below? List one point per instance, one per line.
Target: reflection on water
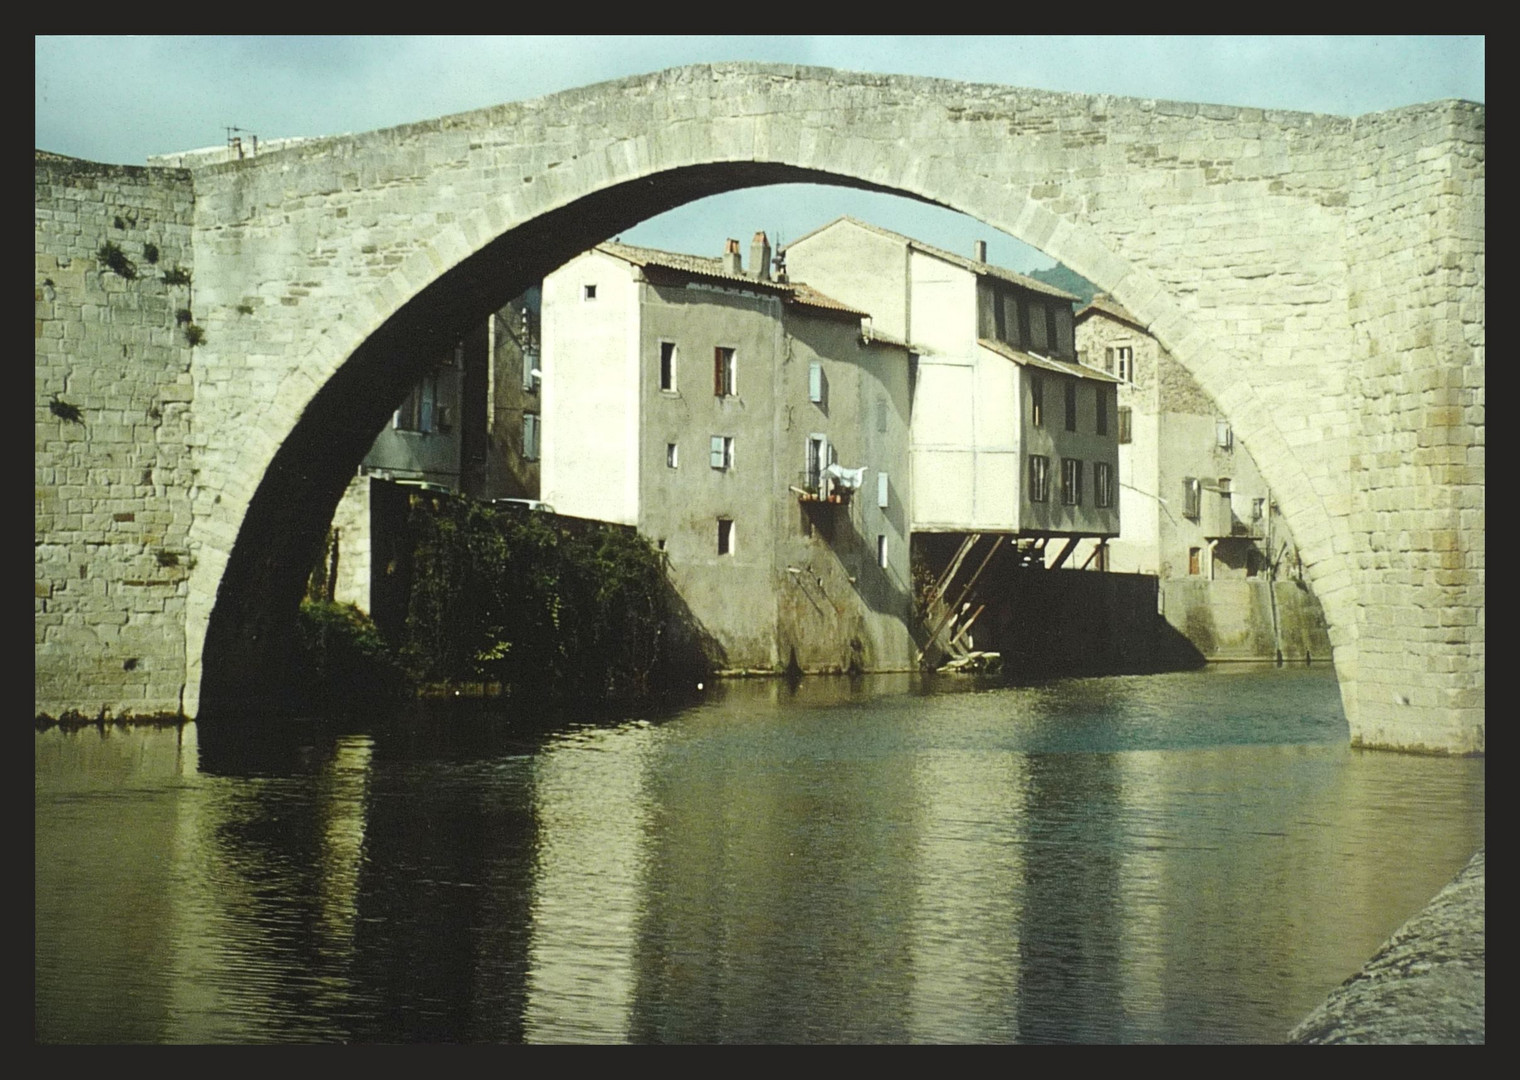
(1193, 857)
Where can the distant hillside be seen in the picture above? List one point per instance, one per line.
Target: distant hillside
(1063, 278)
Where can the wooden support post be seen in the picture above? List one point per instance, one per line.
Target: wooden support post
(1071, 545)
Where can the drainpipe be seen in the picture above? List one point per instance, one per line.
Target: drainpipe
(1212, 545)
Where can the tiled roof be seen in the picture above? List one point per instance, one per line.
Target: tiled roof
(1107, 305)
(981, 268)
(701, 266)
(1064, 367)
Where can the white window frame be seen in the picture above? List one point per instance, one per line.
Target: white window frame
(1071, 481)
(883, 490)
(815, 383)
(721, 455)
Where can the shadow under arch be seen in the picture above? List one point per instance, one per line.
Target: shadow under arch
(249, 645)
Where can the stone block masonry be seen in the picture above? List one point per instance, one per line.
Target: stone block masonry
(1320, 277)
(113, 459)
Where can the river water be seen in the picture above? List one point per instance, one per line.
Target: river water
(1193, 857)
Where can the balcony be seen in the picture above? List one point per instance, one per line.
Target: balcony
(813, 486)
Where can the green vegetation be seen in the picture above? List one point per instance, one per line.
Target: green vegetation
(344, 664)
(194, 335)
(116, 260)
(512, 598)
(177, 276)
(150, 252)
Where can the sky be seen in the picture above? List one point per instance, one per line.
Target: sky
(121, 99)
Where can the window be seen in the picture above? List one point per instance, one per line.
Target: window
(1192, 494)
(1063, 344)
(1103, 484)
(725, 536)
(1100, 399)
(1039, 478)
(815, 383)
(531, 433)
(1194, 560)
(672, 456)
(418, 411)
(724, 383)
(1036, 401)
(1258, 509)
(1071, 481)
(668, 366)
(1071, 405)
(883, 489)
(588, 292)
(722, 452)
(817, 461)
(1125, 355)
(881, 550)
(1223, 434)
(1037, 336)
(1126, 424)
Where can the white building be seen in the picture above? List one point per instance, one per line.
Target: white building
(705, 406)
(1009, 433)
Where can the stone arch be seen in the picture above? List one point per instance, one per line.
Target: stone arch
(331, 402)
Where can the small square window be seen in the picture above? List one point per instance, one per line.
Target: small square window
(588, 292)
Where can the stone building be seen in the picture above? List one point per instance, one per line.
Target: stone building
(1196, 512)
(753, 431)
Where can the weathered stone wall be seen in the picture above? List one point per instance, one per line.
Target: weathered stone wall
(113, 489)
(1280, 257)
(1416, 302)
(1236, 620)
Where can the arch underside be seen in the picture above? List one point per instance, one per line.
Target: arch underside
(247, 641)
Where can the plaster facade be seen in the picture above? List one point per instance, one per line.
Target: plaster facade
(701, 406)
(995, 364)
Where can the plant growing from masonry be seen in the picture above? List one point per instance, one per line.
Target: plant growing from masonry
(177, 276)
(116, 260)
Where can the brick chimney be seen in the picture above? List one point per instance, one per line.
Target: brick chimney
(760, 257)
(732, 261)
(981, 251)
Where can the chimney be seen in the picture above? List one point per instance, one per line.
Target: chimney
(732, 263)
(981, 251)
(760, 257)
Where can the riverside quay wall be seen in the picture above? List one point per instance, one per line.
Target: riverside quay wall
(1321, 277)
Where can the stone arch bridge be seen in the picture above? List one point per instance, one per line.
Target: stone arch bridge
(1322, 277)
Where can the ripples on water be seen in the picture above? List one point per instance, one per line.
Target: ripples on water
(1181, 858)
